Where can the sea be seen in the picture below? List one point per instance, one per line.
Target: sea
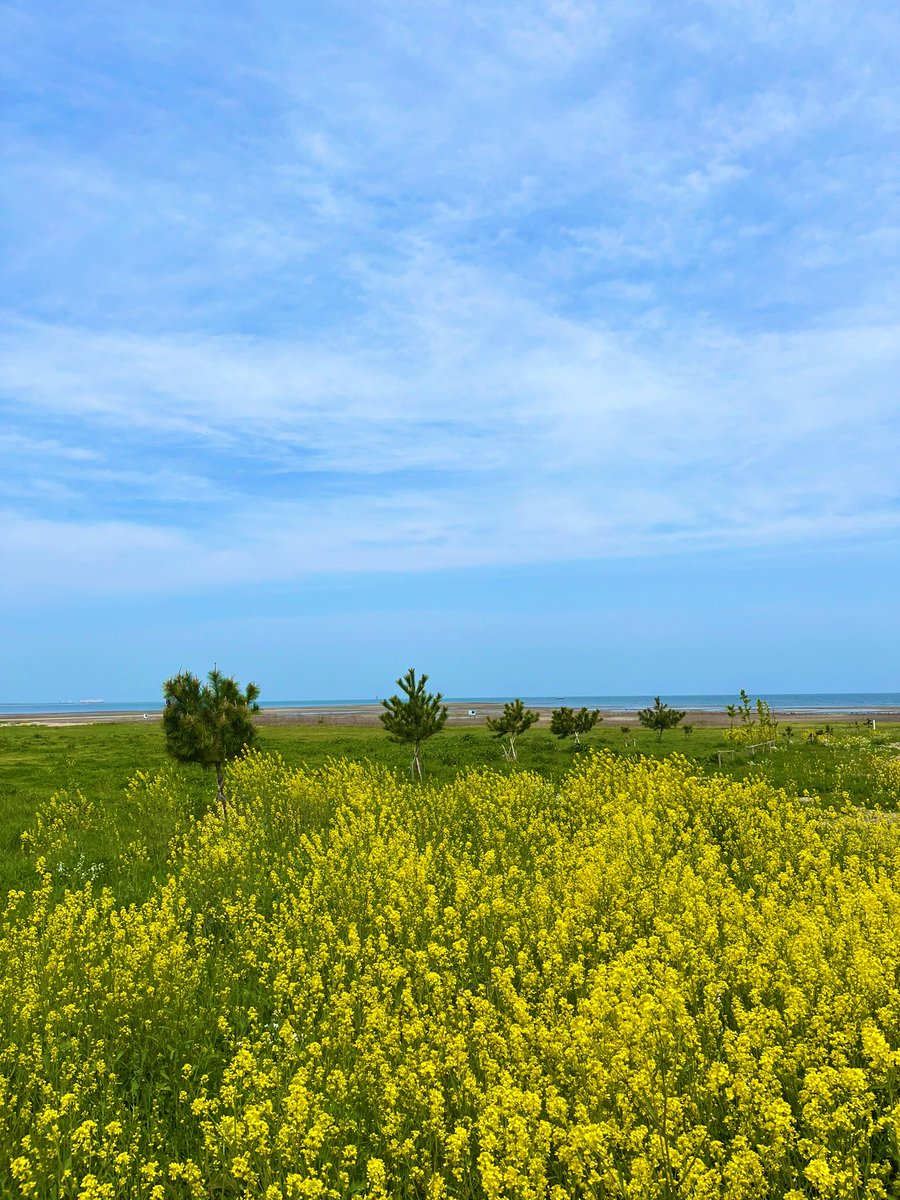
(811, 702)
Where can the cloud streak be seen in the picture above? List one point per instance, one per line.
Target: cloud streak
(530, 283)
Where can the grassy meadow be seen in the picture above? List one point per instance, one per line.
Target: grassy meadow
(100, 760)
(622, 971)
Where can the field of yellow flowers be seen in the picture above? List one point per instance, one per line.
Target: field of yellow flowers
(640, 982)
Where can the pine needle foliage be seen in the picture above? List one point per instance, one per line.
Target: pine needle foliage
(417, 717)
(208, 723)
(660, 717)
(566, 722)
(515, 720)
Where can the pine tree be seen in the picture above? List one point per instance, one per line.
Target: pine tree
(419, 716)
(515, 720)
(565, 722)
(584, 721)
(562, 722)
(208, 723)
(660, 717)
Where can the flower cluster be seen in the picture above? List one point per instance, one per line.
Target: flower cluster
(641, 983)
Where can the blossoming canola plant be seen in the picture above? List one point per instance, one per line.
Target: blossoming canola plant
(644, 984)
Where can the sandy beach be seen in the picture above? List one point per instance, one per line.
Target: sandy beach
(460, 713)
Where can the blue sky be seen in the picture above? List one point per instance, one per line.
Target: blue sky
(549, 347)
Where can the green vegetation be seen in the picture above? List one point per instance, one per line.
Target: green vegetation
(660, 717)
(354, 985)
(852, 765)
(757, 724)
(515, 720)
(97, 760)
(565, 722)
(182, 968)
(208, 723)
(420, 716)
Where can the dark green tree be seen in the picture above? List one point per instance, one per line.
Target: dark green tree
(208, 723)
(562, 722)
(585, 720)
(515, 719)
(565, 722)
(417, 717)
(660, 717)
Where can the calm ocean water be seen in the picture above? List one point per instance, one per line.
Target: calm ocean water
(793, 701)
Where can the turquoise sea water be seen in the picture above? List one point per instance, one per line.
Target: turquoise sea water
(780, 701)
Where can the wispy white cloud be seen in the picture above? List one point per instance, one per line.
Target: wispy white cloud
(565, 443)
(507, 284)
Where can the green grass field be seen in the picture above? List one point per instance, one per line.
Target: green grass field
(98, 761)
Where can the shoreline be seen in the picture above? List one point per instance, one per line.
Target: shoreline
(460, 714)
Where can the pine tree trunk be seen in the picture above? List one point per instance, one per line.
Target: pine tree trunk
(220, 788)
(416, 768)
